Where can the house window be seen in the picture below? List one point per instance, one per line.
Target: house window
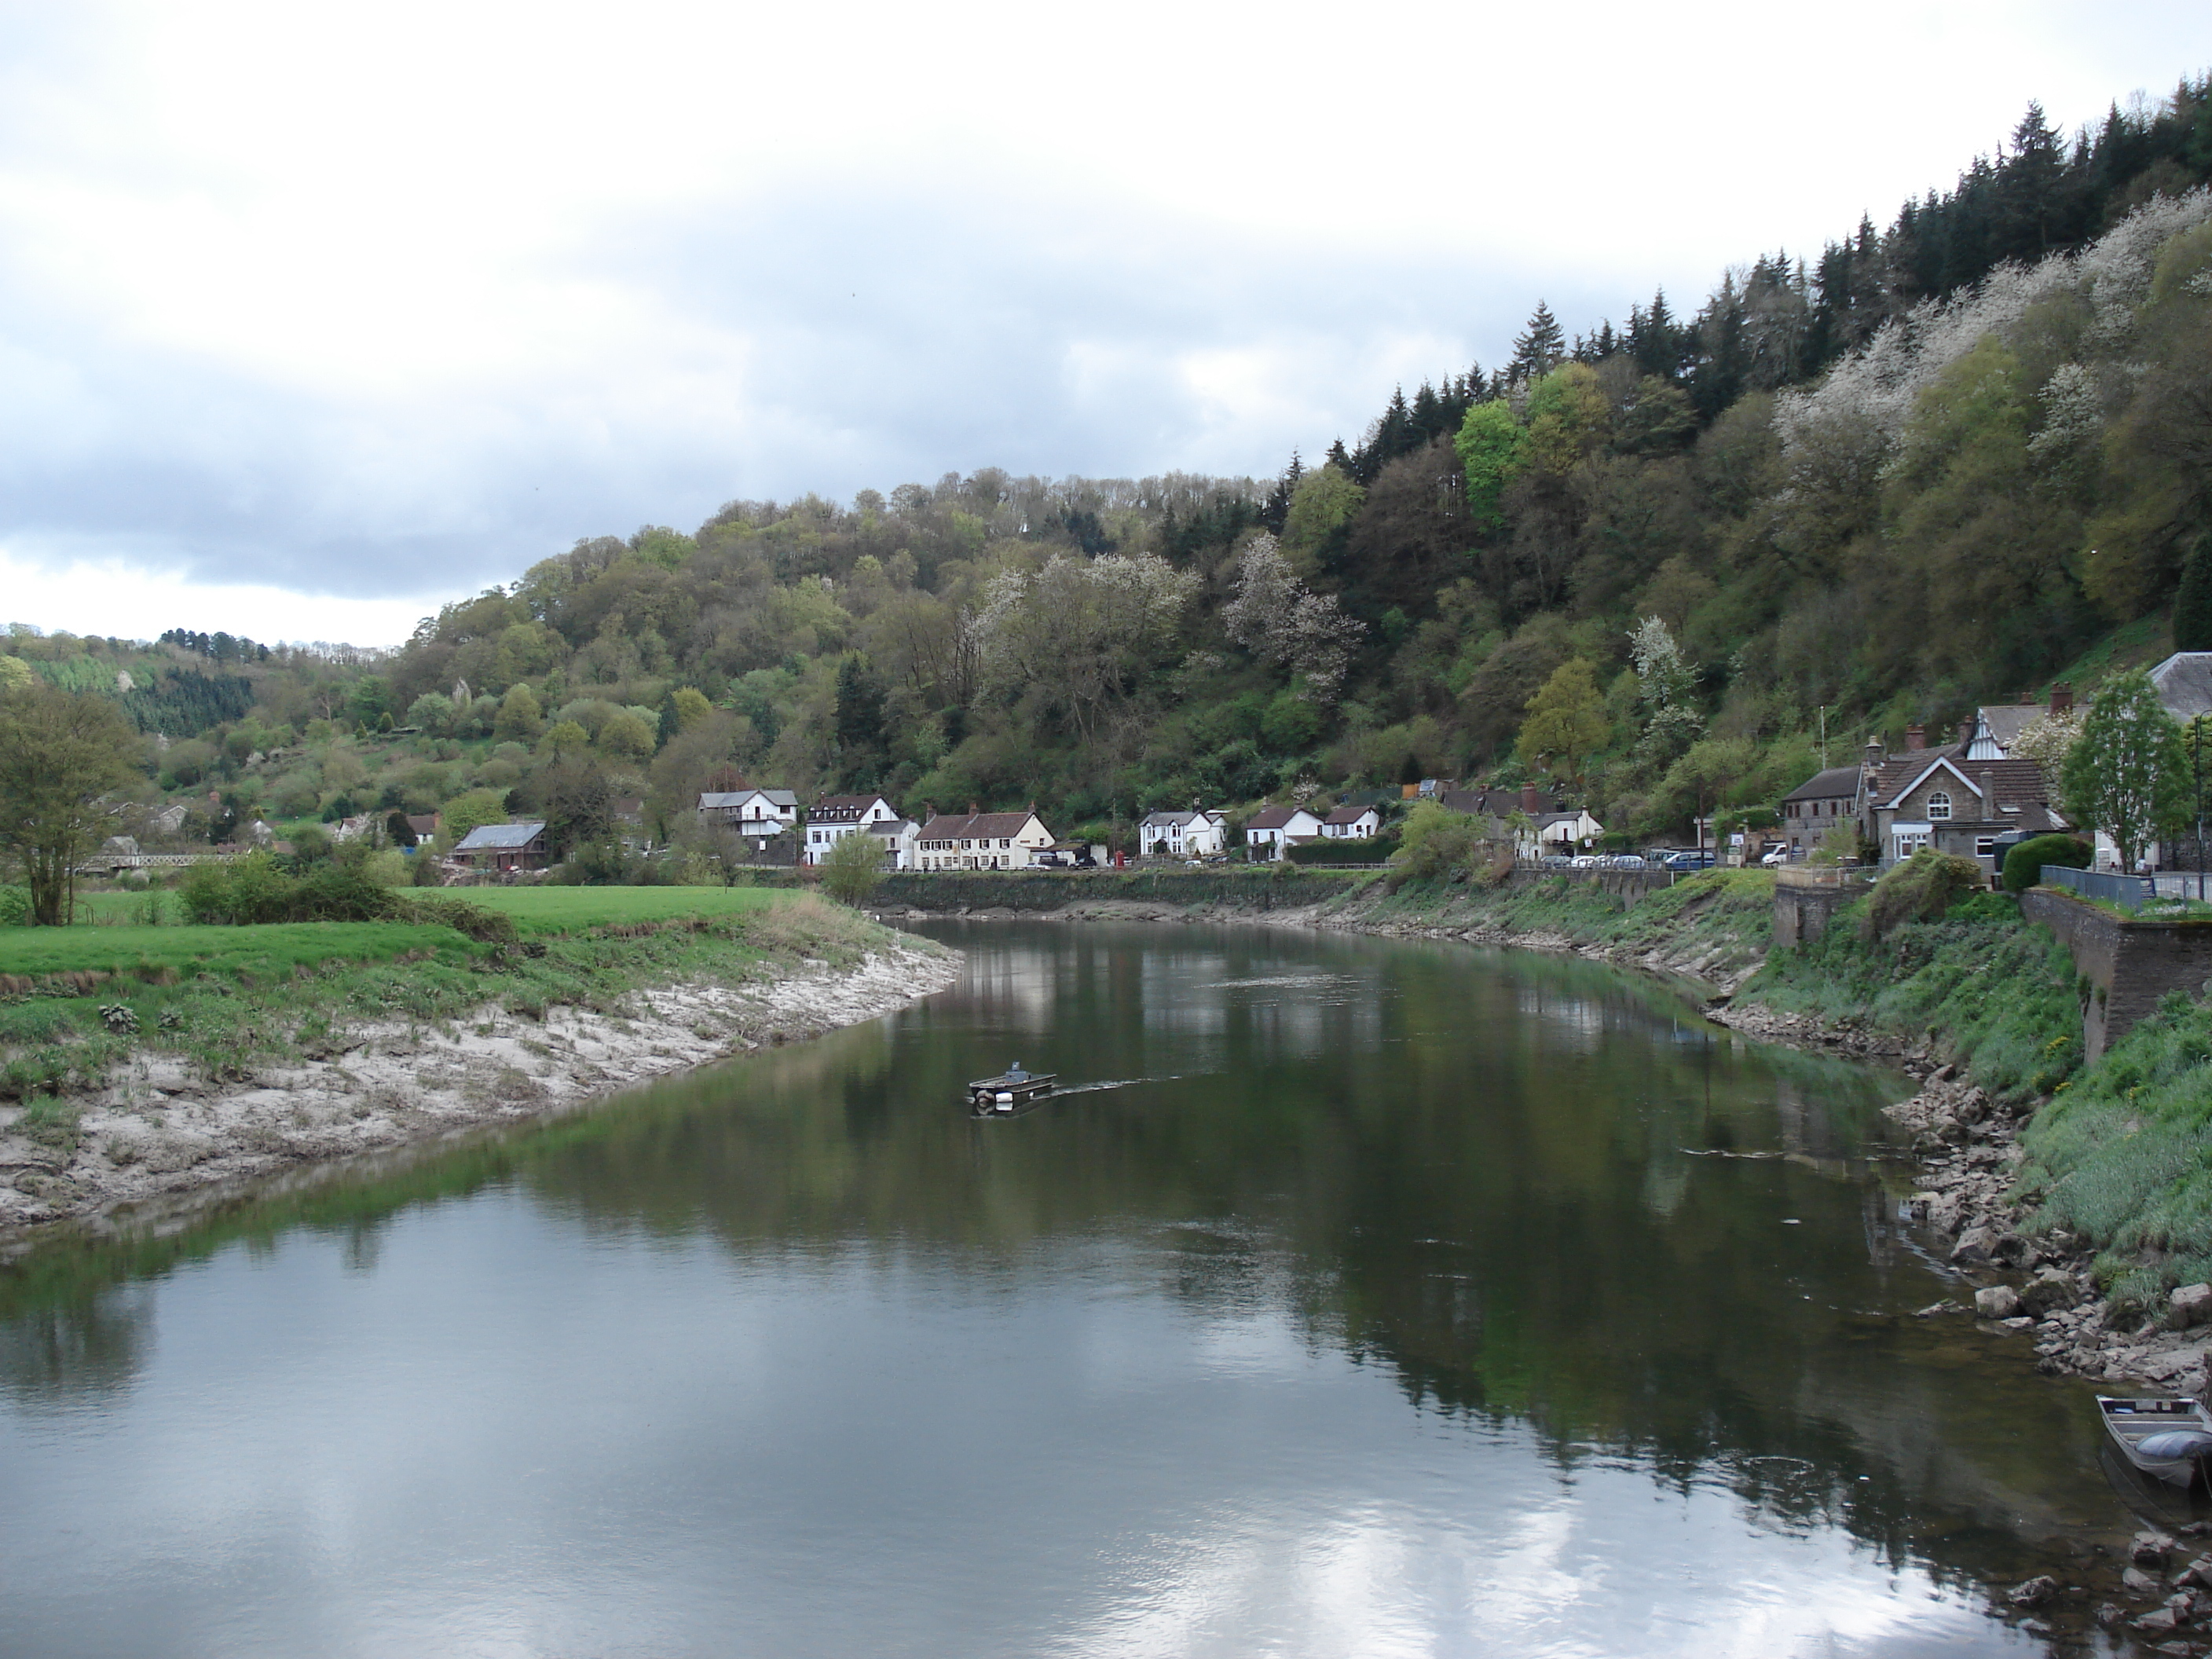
(1939, 806)
(1985, 847)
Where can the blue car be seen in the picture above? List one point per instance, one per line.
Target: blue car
(1690, 860)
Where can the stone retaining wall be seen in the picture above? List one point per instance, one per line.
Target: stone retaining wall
(2129, 962)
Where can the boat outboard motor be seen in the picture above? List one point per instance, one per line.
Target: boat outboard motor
(1015, 1072)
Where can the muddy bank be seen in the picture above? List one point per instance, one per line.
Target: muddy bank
(155, 1130)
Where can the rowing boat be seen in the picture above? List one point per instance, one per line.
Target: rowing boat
(2171, 1439)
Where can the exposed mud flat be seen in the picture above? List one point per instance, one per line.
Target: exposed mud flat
(156, 1131)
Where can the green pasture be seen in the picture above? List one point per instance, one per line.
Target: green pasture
(261, 952)
(577, 909)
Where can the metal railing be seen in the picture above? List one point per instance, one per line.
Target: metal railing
(2128, 892)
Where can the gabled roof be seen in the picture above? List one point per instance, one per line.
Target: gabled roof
(891, 829)
(1350, 814)
(1837, 781)
(1171, 820)
(845, 808)
(2019, 786)
(994, 825)
(2184, 683)
(1277, 817)
(500, 837)
(1492, 803)
(727, 799)
(2002, 721)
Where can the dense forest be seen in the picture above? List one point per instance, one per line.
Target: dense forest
(1929, 467)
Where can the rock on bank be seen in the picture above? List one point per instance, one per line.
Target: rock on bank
(154, 1130)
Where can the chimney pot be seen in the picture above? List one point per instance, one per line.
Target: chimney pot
(1916, 737)
(2062, 698)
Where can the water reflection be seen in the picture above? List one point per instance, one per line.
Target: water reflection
(1400, 1298)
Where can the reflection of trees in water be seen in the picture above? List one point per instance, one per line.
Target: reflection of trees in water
(1481, 1171)
(64, 1352)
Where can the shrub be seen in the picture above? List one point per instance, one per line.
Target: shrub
(2023, 865)
(1377, 851)
(14, 906)
(1436, 844)
(1921, 888)
(853, 867)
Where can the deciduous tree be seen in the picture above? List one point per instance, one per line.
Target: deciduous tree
(60, 751)
(2128, 775)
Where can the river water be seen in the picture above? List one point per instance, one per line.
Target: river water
(1363, 1298)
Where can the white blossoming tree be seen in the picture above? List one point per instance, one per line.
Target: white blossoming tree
(1275, 616)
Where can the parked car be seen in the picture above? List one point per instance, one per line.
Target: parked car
(1776, 855)
(1703, 860)
(1589, 861)
(1627, 861)
(1557, 862)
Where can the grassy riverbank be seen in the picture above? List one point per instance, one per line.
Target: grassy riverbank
(226, 998)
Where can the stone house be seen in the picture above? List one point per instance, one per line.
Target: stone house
(1815, 806)
(1944, 798)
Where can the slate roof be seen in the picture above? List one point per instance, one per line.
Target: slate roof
(2184, 683)
(1350, 814)
(735, 797)
(2003, 720)
(1275, 817)
(842, 809)
(1492, 803)
(2022, 792)
(995, 826)
(1838, 782)
(500, 837)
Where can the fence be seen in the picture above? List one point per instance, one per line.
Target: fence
(2128, 892)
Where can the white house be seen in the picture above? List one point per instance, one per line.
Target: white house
(982, 841)
(833, 817)
(1352, 823)
(1272, 830)
(752, 811)
(1192, 834)
(1560, 832)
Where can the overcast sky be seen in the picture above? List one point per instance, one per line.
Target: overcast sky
(313, 319)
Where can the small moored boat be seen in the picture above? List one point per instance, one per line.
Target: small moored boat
(2171, 1439)
(1011, 1091)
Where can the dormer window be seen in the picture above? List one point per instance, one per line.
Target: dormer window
(1939, 806)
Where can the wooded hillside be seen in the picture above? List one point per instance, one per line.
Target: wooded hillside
(1924, 469)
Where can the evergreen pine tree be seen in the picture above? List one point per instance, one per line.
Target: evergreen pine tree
(2192, 605)
(1538, 349)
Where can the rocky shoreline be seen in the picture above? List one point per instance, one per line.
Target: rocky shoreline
(156, 1131)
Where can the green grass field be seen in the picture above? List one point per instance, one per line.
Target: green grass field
(262, 953)
(115, 944)
(577, 909)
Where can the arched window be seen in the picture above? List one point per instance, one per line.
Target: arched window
(1939, 806)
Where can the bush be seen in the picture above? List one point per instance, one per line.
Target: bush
(256, 889)
(1436, 844)
(1921, 888)
(14, 906)
(853, 867)
(2023, 865)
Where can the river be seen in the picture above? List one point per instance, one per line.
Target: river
(1360, 1297)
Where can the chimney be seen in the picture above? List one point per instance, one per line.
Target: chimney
(1874, 752)
(974, 810)
(2062, 698)
(1528, 799)
(1989, 782)
(1966, 728)
(1915, 736)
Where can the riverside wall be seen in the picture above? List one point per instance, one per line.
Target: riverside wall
(2127, 962)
